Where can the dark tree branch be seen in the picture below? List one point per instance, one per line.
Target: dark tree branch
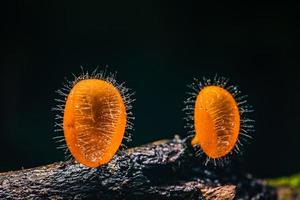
(161, 170)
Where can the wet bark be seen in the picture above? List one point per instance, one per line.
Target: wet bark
(166, 169)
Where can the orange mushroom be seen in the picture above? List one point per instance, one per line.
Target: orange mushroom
(217, 121)
(95, 118)
(218, 114)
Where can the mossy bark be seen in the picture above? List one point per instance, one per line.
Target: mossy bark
(287, 188)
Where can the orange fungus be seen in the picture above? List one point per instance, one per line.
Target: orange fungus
(94, 121)
(216, 121)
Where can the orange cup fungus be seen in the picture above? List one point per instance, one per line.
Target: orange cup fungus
(217, 112)
(95, 119)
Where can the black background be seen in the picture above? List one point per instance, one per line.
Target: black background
(157, 49)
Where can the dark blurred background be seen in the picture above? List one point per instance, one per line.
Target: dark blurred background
(157, 49)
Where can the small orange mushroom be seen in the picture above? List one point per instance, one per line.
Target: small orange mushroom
(95, 117)
(94, 121)
(218, 115)
(217, 121)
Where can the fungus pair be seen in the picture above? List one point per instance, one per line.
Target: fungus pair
(96, 116)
